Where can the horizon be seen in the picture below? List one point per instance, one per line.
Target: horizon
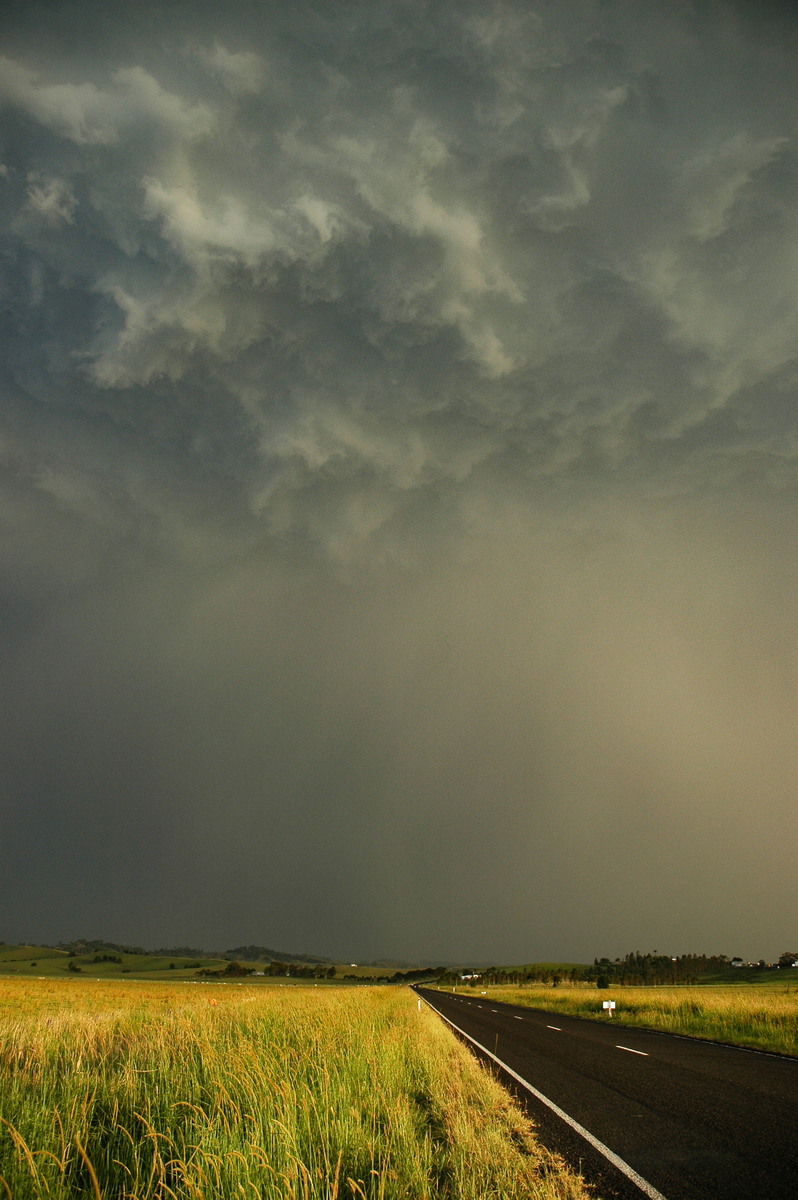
(383, 960)
(399, 475)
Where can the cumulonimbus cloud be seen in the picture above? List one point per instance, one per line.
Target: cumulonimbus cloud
(578, 257)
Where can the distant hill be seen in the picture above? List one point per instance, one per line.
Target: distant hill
(257, 953)
(183, 952)
(95, 946)
(416, 964)
(247, 953)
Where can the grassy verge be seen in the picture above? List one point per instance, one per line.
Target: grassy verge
(763, 1018)
(143, 1091)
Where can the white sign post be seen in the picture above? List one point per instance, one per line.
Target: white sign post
(609, 1005)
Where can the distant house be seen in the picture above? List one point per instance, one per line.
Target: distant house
(737, 962)
(470, 976)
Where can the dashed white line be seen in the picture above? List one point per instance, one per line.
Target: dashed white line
(645, 1187)
(631, 1051)
(517, 1017)
(554, 1027)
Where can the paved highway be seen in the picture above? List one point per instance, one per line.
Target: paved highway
(687, 1120)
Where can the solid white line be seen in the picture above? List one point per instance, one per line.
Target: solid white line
(645, 1187)
(631, 1051)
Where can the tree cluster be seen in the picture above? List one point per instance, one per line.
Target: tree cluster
(84, 946)
(288, 970)
(638, 969)
(514, 975)
(415, 975)
(232, 970)
(299, 970)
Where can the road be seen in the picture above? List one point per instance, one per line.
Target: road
(692, 1120)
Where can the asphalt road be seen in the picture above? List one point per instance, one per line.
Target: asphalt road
(694, 1120)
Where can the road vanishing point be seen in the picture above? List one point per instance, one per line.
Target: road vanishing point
(641, 1113)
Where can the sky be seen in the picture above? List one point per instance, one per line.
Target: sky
(399, 476)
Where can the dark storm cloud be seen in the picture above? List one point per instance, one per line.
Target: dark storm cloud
(399, 462)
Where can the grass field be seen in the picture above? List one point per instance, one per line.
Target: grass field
(764, 1017)
(133, 1090)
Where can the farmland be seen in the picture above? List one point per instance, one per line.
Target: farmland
(102, 961)
(145, 1090)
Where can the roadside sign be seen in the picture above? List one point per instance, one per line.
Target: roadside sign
(609, 1005)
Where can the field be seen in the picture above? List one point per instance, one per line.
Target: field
(761, 1016)
(44, 961)
(134, 1091)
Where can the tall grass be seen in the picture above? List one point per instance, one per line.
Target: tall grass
(762, 1018)
(134, 1092)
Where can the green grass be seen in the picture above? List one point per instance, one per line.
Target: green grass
(124, 1091)
(762, 1017)
(41, 961)
(761, 976)
(19, 957)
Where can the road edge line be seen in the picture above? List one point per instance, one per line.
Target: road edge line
(645, 1187)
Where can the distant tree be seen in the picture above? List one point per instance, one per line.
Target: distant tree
(788, 958)
(235, 968)
(603, 981)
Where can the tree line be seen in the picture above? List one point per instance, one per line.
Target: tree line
(514, 975)
(289, 970)
(635, 969)
(639, 970)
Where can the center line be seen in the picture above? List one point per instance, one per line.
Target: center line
(554, 1027)
(631, 1051)
(645, 1187)
(518, 1018)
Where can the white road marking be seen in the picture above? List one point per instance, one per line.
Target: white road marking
(554, 1027)
(631, 1051)
(645, 1187)
(518, 1018)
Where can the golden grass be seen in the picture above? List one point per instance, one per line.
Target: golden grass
(763, 1018)
(137, 1091)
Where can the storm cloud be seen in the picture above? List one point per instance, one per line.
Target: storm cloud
(399, 452)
